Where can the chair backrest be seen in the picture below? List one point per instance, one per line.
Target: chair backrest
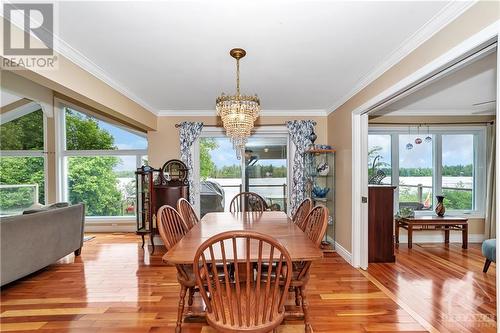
(171, 226)
(315, 228)
(316, 224)
(247, 202)
(187, 213)
(299, 218)
(243, 300)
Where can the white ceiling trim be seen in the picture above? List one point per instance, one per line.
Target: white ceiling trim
(445, 16)
(440, 112)
(264, 113)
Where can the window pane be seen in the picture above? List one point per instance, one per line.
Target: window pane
(379, 159)
(21, 178)
(458, 171)
(24, 133)
(266, 172)
(415, 173)
(84, 132)
(106, 184)
(220, 174)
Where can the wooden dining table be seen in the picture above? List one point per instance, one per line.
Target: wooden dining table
(275, 224)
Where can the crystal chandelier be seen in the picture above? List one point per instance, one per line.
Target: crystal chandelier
(238, 112)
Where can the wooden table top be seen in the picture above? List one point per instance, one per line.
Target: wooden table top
(433, 219)
(275, 224)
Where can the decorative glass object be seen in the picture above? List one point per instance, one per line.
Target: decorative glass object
(409, 146)
(238, 112)
(428, 138)
(319, 177)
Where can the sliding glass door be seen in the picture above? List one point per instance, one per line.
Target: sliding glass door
(263, 169)
(266, 170)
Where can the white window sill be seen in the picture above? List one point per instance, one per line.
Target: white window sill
(110, 219)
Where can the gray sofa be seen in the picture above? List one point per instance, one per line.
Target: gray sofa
(31, 242)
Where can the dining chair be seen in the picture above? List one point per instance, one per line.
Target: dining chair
(172, 228)
(187, 213)
(316, 223)
(243, 301)
(247, 202)
(299, 218)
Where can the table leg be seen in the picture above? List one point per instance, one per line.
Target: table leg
(446, 235)
(396, 230)
(465, 236)
(410, 235)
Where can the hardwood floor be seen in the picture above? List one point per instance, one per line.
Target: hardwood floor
(443, 284)
(115, 287)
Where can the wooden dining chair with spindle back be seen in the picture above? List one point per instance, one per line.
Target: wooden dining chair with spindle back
(247, 202)
(172, 229)
(315, 223)
(299, 218)
(246, 301)
(187, 213)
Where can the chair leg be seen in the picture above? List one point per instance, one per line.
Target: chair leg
(305, 309)
(180, 309)
(297, 296)
(486, 265)
(191, 294)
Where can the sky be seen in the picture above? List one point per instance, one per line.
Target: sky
(224, 155)
(457, 150)
(125, 140)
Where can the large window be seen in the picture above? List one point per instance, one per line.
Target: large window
(262, 169)
(22, 160)
(99, 161)
(423, 164)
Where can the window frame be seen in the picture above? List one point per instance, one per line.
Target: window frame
(479, 167)
(63, 154)
(32, 153)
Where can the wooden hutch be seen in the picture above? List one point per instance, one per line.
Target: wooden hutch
(155, 188)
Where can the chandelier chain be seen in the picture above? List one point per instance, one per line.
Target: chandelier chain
(238, 77)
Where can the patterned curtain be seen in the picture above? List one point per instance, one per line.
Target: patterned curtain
(299, 131)
(189, 132)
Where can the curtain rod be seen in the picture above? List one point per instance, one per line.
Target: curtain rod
(491, 122)
(261, 125)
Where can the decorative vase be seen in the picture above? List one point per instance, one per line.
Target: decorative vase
(323, 169)
(313, 136)
(440, 209)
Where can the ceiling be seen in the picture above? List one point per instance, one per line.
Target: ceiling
(303, 57)
(466, 91)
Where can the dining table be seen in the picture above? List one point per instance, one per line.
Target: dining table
(273, 223)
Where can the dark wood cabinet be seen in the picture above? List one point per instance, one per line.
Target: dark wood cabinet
(381, 224)
(155, 188)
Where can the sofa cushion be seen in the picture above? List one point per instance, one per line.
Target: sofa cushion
(45, 208)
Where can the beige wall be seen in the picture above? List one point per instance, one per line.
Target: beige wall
(163, 144)
(472, 21)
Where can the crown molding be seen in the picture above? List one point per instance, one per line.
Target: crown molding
(66, 50)
(264, 113)
(442, 18)
(438, 112)
(75, 56)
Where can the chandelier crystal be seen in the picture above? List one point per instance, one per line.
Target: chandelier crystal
(238, 112)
